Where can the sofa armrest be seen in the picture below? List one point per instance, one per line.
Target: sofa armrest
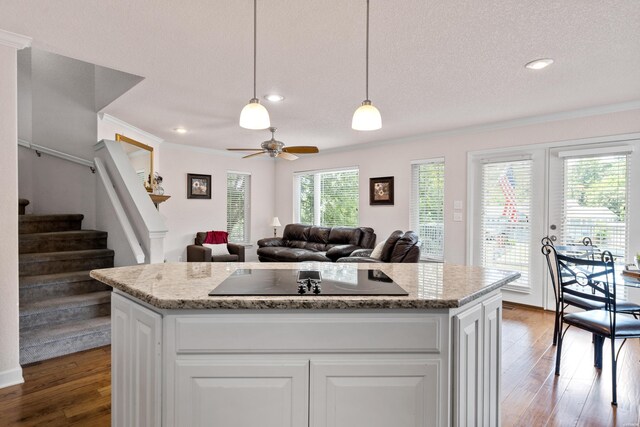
(340, 251)
(362, 253)
(270, 241)
(197, 253)
(236, 249)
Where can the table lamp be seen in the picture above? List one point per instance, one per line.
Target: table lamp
(275, 222)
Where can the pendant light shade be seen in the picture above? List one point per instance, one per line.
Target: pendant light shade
(254, 115)
(367, 117)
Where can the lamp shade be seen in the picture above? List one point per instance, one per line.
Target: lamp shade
(254, 116)
(366, 117)
(275, 222)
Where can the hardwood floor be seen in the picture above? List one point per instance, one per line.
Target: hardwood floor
(75, 390)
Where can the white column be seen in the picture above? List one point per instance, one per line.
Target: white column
(10, 370)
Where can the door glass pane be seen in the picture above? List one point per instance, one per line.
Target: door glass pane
(506, 210)
(594, 202)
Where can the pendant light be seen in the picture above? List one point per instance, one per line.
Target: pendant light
(367, 117)
(254, 115)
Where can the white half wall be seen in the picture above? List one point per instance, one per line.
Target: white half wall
(10, 370)
(394, 159)
(184, 217)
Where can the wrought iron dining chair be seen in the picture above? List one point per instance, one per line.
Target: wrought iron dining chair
(579, 278)
(573, 300)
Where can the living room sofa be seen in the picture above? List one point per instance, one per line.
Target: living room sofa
(300, 242)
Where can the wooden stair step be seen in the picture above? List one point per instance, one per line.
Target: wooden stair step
(54, 311)
(59, 262)
(43, 286)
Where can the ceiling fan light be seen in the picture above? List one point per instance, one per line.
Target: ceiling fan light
(366, 117)
(254, 116)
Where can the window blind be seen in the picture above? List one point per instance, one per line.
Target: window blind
(427, 207)
(327, 198)
(238, 206)
(594, 202)
(506, 209)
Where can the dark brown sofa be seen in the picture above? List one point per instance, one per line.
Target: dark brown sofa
(300, 242)
(399, 247)
(199, 253)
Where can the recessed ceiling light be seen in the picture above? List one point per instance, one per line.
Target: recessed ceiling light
(180, 130)
(539, 64)
(274, 98)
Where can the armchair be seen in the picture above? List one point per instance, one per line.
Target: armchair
(199, 253)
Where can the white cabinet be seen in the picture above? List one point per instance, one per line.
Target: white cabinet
(476, 370)
(136, 364)
(242, 393)
(375, 393)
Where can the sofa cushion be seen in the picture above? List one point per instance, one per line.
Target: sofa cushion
(367, 238)
(300, 244)
(296, 232)
(284, 254)
(403, 246)
(344, 236)
(315, 247)
(387, 249)
(217, 249)
(200, 236)
(225, 258)
(319, 235)
(376, 253)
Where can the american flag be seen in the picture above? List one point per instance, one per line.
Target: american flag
(508, 185)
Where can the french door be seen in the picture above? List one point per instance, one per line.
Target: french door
(564, 191)
(593, 192)
(508, 213)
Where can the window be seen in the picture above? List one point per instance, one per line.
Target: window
(505, 229)
(238, 206)
(594, 202)
(427, 207)
(327, 198)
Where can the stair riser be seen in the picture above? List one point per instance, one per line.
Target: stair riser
(64, 265)
(65, 315)
(53, 290)
(65, 346)
(48, 226)
(44, 244)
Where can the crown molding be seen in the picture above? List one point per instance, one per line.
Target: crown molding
(116, 121)
(17, 41)
(499, 125)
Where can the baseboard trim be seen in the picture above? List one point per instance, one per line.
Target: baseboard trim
(11, 377)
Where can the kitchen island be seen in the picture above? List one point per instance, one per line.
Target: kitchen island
(183, 358)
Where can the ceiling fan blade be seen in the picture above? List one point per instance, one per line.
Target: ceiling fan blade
(244, 149)
(254, 154)
(287, 156)
(301, 149)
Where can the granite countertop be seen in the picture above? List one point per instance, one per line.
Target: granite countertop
(186, 285)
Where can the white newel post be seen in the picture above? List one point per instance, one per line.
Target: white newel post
(10, 370)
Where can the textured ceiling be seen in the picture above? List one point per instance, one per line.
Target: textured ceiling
(435, 65)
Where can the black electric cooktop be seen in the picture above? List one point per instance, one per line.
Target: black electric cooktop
(334, 282)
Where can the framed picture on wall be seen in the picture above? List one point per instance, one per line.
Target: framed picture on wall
(381, 191)
(198, 186)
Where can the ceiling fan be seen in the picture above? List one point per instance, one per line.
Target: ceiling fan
(277, 149)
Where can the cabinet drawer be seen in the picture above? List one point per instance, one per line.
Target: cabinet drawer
(307, 332)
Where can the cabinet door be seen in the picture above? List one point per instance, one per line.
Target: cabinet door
(136, 363)
(242, 393)
(492, 344)
(467, 371)
(375, 393)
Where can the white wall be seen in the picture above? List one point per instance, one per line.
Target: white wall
(10, 371)
(184, 217)
(56, 104)
(394, 159)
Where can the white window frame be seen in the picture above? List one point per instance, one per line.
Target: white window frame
(413, 217)
(316, 192)
(247, 205)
